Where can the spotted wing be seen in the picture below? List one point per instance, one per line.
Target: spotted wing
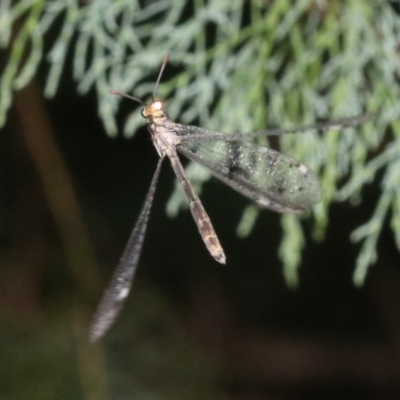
(266, 176)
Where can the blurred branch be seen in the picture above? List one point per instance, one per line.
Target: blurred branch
(59, 191)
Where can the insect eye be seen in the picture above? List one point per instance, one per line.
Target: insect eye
(157, 105)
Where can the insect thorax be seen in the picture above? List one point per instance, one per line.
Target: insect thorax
(164, 135)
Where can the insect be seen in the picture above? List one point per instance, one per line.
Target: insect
(269, 178)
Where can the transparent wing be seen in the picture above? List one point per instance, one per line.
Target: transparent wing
(266, 176)
(118, 289)
(189, 132)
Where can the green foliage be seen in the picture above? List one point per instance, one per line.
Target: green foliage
(267, 63)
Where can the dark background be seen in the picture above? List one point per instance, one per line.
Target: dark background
(191, 329)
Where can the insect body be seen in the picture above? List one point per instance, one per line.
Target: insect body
(165, 138)
(266, 176)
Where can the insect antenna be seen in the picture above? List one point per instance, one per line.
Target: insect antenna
(118, 93)
(165, 61)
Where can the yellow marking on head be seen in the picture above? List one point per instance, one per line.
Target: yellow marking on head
(153, 110)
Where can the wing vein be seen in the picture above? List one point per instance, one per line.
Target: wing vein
(118, 289)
